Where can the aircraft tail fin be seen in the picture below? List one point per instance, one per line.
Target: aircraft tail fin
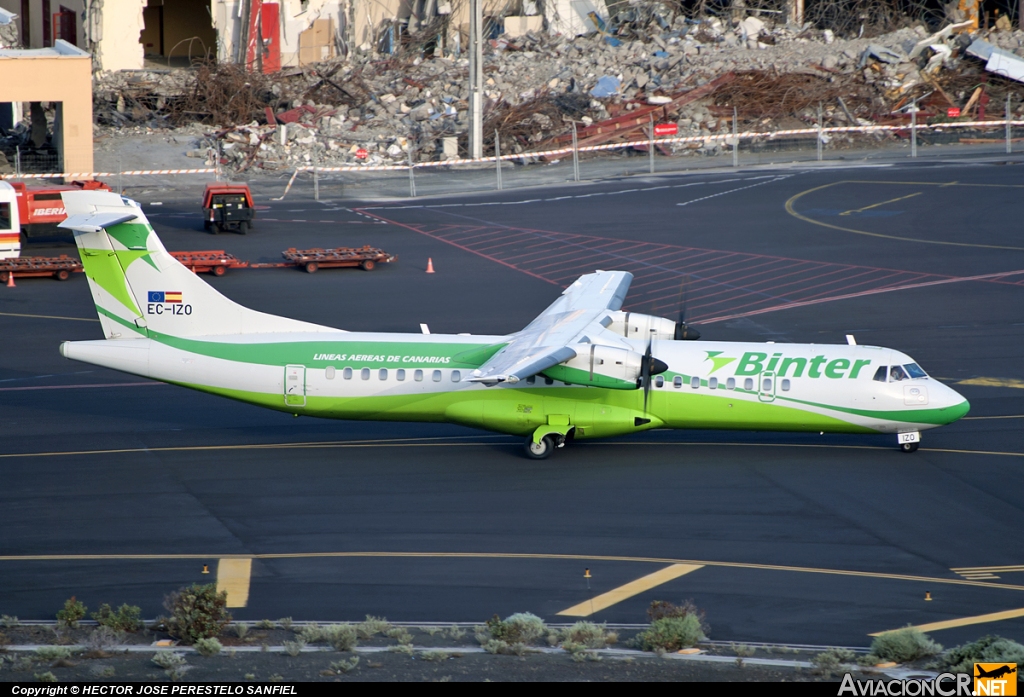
(140, 289)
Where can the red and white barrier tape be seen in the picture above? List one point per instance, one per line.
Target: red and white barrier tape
(92, 175)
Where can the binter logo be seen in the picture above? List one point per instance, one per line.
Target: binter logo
(755, 362)
(995, 679)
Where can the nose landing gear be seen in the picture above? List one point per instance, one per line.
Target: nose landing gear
(909, 442)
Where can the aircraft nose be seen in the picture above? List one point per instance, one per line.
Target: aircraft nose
(953, 405)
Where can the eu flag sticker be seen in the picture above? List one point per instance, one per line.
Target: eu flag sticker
(156, 296)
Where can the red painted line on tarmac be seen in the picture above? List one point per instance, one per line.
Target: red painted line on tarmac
(78, 387)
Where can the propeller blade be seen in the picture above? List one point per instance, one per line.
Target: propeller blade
(645, 373)
(683, 331)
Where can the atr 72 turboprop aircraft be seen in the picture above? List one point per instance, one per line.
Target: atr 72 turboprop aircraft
(582, 369)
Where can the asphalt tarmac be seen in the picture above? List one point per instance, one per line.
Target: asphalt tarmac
(115, 489)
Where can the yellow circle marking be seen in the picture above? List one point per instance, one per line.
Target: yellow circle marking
(793, 212)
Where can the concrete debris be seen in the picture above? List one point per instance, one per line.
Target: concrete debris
(537, 84)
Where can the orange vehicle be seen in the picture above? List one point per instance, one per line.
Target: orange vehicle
(228, 207)
(41, 209)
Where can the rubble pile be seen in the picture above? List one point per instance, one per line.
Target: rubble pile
(371, 108)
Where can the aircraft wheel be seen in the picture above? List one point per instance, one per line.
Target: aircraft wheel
(909, 447)
(539, 451)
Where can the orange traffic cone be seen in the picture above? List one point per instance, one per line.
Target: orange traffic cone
(10, 280)
(430, 265)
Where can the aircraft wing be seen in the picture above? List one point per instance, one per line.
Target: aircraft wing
(548, 340)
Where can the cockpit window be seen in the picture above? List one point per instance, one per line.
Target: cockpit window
(914, 370)
(896, 373)
(881, 373)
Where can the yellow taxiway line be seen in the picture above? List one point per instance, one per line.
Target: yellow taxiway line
(513, 555)
(993, 382)
(876, 205)
(965, 621)
(450, 441)
(624, 592)
(233, 575)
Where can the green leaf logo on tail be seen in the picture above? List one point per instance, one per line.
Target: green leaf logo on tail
(717, 360)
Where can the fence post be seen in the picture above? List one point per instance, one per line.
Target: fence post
(913, 129)
(497, 157)
(575, 155)
(1009, 142)
(735, 141)
(819, 132)
(316, 185)
(412, 175)
(650, 144)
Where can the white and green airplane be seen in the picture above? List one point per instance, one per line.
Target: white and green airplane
(582, 369)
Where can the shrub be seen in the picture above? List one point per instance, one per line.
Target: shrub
(102, 671)
(9, 621)
(671, 634)
(46, 677)
(743, 651)
(265, 624)
(169, 659)
(127, 618)
(286, 623)
(103, 638)
(456, 632)
(72, 612)
(988, 649)
(904, 645)
(241, 629)
(399, 634)
(342, 637)
(435, 656)
(662, 609)
(828, 662)
(294, 648)
(311, 633)
(586, 635)
(197, 612)
(402, 648)
(520, 628)
(345, 666)
(372, 626)
(53, 653)
(207, 647)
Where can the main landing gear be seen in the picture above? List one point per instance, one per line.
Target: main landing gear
(542, 449)
(909, 442)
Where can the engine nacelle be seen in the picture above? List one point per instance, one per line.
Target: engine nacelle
(634, 325)
(600, 366)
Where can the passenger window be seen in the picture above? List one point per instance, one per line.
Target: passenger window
(766, 385)
(677, 381)
(880, 374)
(347, 373)
(436, 377)
(456, 376)
(785, 384)
(914, 370)
(694, 382)
(418, 376)
(748, 384)
(364, 373)
(382, 374)
(713, 383)
(896, 374)
(329, 373)
(532, 380)
(549, 381)
(659, 381)
(730, 384)
(5, 216)
(400, 374)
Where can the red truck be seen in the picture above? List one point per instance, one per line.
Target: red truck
(40, 208)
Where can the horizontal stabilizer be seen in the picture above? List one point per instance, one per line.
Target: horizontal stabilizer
(94, 222)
